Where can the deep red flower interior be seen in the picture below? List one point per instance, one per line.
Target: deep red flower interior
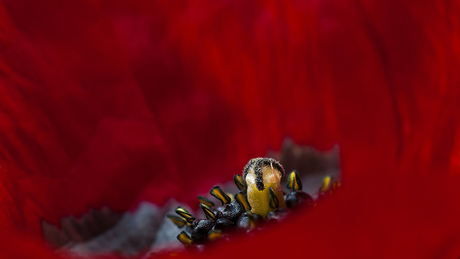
(111, 103)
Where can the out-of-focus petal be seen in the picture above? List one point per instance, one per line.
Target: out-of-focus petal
(15, 246)
(76, 130)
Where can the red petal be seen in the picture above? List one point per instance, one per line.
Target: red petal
(14, 246)
(114, 103)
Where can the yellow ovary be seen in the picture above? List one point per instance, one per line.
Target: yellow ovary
(259, 200)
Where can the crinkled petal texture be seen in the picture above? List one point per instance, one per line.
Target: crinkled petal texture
(115, 102)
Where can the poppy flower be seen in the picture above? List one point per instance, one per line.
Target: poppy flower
(109, 103)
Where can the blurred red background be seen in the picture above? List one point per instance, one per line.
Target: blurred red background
(116, 102)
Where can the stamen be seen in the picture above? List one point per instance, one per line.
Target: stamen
(214, 234)
(252, 222)
(239, 182)
(178, 221)
(217, 192)
(185, 239)
(326, 184)
(243, 201)
(206, 201)
(185, 214)
(208, 211)
(232, 198)
(293, 182)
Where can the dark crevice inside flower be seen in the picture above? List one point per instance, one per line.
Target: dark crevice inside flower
(232, 208)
